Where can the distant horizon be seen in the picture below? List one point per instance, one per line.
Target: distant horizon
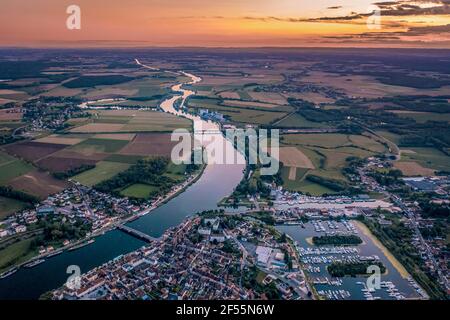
(235, 23)
(224, 47)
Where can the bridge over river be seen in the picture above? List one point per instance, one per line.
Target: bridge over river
(138, 234)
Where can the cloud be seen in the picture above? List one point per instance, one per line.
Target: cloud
(414, 8)
(334, 7)
(396, 9)
(410, 34)
(416, 31)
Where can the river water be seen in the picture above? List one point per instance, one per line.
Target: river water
(216, 182)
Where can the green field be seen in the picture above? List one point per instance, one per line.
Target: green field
(138, 91)
(165, 124)
(329, 154)
(176, 172)
(99, 145)
(395, 138)
(5, 158)
(9, 206)
(150, 87)
(123, 158)
(92, 81)
(240, 114)
(429, 158)
(104, 170)
(302, 185)
(13, 170)
(130, 121)
(244, 95)
(326, 140)
(15, 253)
(296, 120)
(139, 190)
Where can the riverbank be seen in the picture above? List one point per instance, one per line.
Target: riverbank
(393, 260)
(184, 187)
(178, 189)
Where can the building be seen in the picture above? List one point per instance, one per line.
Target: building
(20, 229)
(217, 237)
(421, 184)
(204, 231)
(44, 210)
(263, 255)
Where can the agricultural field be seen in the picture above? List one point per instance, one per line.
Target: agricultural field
(139, 190)
(293, 157)
(32, 151)
(322, 155)
(15, 253)
(10, 114)
(58, 139)
(268, 97)
(240, 114)
(131, 121)
(104, 170)
(145, 144)
(108, 154)
(93, 145)
(10, 119)
(255, 105)
(38, 183)
(430, 158)
(395, 138)
(299, 184)
(9, 206)
(409, 168)
(366, 86)
(145, 90)
(296, 120)
(11, 168)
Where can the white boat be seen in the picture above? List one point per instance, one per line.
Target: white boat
(8, 273)
(34, 263)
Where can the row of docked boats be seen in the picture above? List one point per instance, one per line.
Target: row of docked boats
(39, 261)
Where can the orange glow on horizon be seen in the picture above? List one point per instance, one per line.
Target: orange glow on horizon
(205, 23)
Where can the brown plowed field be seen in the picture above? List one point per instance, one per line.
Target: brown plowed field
(32, 151)
(78, 155)
(149, 144)
(39, 184)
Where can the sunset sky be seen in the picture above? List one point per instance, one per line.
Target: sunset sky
(247, 23)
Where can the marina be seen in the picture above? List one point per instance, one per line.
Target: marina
(315, 260)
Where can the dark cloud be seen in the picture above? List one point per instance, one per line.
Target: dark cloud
(419, 31)
(406, 8)
(389, 36)
(334, 7)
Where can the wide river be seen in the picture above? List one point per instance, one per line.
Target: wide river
(216, 182)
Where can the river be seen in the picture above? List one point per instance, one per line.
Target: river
(216, 182)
